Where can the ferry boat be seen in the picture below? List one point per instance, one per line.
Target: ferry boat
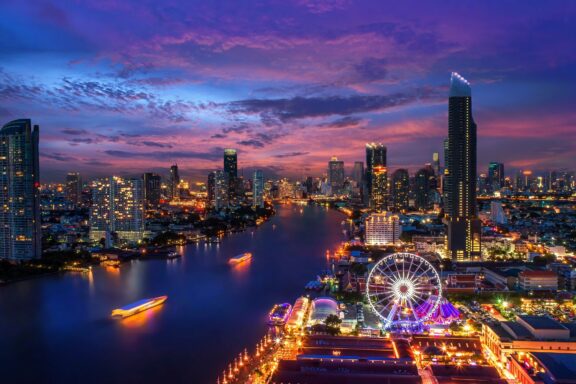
(279, 314)
(240, 258)
(138, 306)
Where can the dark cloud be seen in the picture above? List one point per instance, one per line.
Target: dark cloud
(300, 107)
(371, 69)
(214, 154)
(291, 154)
(348, 121)
(251, 143)
(218, 136)
(74, 132)
(155, 144)
(59, 156)
(98, 163)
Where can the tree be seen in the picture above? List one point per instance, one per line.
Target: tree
(332, 323)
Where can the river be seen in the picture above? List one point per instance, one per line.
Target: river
(57, 329)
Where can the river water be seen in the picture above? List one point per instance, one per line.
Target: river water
(58, 330)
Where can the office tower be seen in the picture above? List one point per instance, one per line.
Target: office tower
(464, 228)
(174, 182)
(495, 175)
(152, 190)
(117, 208)
(20, 232)
(211, 189)
(221, 190)
(436, 163)
(336, 174)
(74, 188)
(258, 189)
(400, 189)
(376, 176)
(358, 172)
(424, 184)
(382, 229)
(231, 172)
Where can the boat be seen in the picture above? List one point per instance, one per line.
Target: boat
(173, 255)
(279, 314)
(240, 258)
(138, 306)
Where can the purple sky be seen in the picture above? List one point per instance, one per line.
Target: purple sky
(122, 86)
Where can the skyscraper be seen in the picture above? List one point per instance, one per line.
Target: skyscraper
(400, 189)
(117, 207)
(174, 182)
(20, 232)
(336, 174)
(464, 228)
(231, 172)
(74, 188)
(358, 172)
(376, 176)
(495, 175)
(152, 189)
(258, 189)
(221, 190)
(424, 185)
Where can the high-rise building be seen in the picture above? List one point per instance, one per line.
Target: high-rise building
(258, 189)
(221, 190)
(464, 227)
(436, 163)
(358, 172)
(495, 176)
(231, 172)
(424, 184)
(400, 189)
(376, 176)
(117, 207)
(20, 232)
(336, 174)
(152, 189)
(174, 182)
(74, 188)
(382, 229)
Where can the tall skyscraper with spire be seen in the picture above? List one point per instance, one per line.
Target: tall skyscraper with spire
(464, 227)
(20, 232)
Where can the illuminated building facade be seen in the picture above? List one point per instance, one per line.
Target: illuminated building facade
(376, 176)
(258, 189)
(231, 172)
(20, 232)
(425, 184)
(336, 174)
(117, 207)
(495, 176)
(174, 182)
(74, 188)
(400, 189)
(464, 227)
(382, 229)
(152, 189)
(221, 190)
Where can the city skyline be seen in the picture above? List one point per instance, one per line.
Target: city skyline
(279, 90)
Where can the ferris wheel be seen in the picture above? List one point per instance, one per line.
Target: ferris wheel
(404, 290)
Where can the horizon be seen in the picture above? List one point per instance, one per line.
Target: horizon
(289, 87)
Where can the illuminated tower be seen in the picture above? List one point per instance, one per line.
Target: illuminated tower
(376, 176)
(174, 182)
(152, 189)
(74, 188)
(464, 228)
(336, 174)
(20, 232)
(231, 172)
(496, 175)
(258, 189)
(400, 189)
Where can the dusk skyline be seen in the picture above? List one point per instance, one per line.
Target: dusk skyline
(133, 86)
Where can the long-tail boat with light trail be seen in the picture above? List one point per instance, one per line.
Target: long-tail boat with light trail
(138, 306)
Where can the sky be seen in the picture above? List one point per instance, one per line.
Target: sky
(127, 86)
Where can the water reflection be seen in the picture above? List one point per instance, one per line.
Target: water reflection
(140, 319)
